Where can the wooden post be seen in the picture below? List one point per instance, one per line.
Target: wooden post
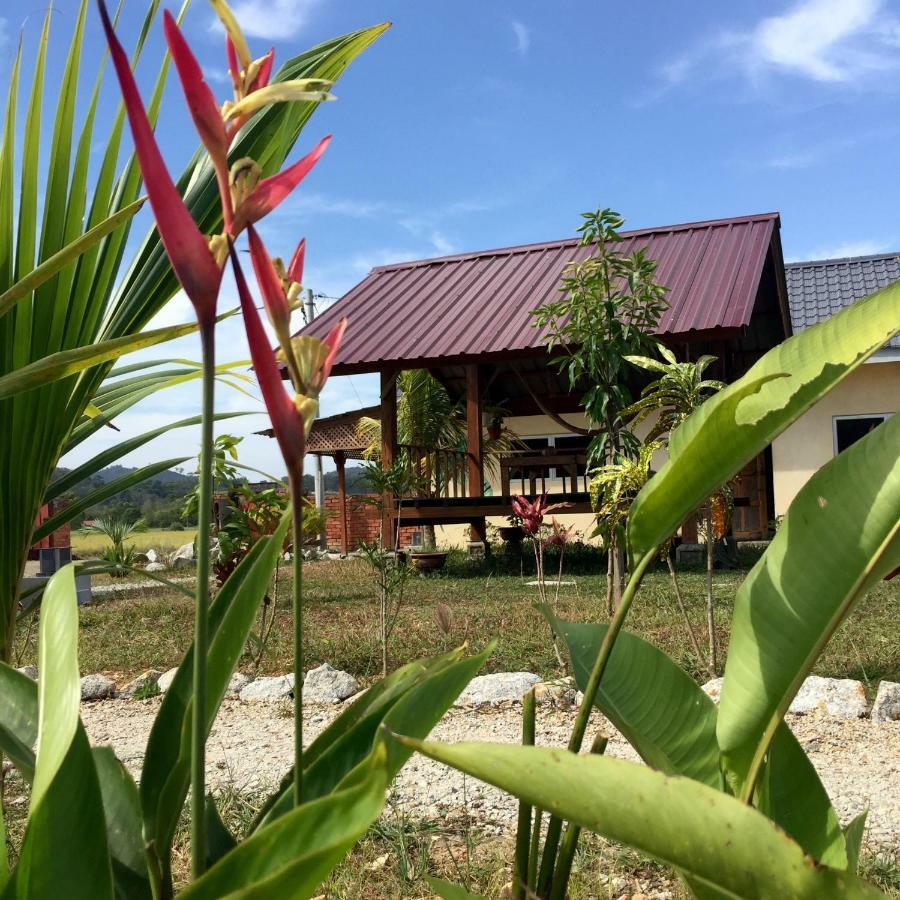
(475, 474)
(388, 452)
(339, 461)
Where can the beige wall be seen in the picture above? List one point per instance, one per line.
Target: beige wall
(809, 443)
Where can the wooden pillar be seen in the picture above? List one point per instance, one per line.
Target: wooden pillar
(388, 452)
(475, 473)
(339, 460)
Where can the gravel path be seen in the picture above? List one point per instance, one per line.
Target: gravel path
(251, 747)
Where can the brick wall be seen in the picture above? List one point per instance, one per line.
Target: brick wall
(59, 538)
(363, 523)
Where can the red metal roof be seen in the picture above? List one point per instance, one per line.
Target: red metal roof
(477, 304)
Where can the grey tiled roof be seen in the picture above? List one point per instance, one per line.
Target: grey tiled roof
(820, 288)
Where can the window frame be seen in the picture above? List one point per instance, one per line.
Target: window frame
(844, 418)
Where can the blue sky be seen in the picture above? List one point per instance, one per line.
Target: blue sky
(472, 125)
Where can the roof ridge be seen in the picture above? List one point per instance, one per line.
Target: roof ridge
(573, 241)
(834, 260)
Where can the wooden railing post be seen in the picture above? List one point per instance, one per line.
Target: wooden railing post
(388, 453)
(475, 474)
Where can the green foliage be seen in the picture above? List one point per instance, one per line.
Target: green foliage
(608, 312)
(614, 485)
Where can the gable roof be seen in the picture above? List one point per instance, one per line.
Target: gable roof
(477, 305)
(820, 288)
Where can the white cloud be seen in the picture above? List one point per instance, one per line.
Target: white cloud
(824, 41)
(848, 248)
(271, 19)
(523, 36)
(302, 205)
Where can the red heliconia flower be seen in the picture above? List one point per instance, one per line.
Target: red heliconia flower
(187, 248)
(271, 191)
(202, 104)
(295, 269)
(333, 343)
(270, 286)
(287, 421)
(265, 71)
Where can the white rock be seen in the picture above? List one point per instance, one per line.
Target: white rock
(278, 687)
(236, 684)
(496, 688)
(183, 557)
(97, 687)
(714, 688)
(887, 702)
(30, 671)
(550, 583)
(842, 698)
(165, 680)
(151, 556)
(328, 685)
(142, 684)
(155, 567)
(560, 692)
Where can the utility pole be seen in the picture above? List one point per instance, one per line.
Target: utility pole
(309, 310)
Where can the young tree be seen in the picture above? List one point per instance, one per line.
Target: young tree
(674, 395)
(609, 308)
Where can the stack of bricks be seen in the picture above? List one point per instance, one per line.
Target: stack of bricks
(62, 537)
(363, 523)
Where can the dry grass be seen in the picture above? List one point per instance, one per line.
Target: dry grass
(88, 544)
(124, 633)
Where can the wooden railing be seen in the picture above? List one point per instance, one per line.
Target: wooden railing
(528, 472)
(437, 473)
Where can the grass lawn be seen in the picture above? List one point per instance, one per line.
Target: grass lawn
(87, 544)
(122, 634)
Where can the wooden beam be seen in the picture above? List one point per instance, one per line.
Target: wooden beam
(388, 451)
(339, 460)
(478, 529)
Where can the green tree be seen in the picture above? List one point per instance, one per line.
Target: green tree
(609, 308)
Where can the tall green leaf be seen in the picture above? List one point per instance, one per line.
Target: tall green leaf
(736, 424)
(717, 841)
(64, 851)
(840, 536)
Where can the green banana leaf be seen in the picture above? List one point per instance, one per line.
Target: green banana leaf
(840, 536)
(122, 810)
(18, 719)
(449, 891)
(736, 424)
(64, 850)
(671, 722)
(289, 858)
(110, 489)
(166, 773)
(717, 841)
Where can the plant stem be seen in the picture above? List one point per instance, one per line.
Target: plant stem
(295, 480)
(554, 829)
(712, 664)
(680, 601)
(523, 831)
(201, 608)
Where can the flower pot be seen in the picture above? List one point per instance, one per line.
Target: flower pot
(429, 561)
(511, 534)
(494, 432)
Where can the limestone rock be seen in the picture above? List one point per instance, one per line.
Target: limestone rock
(143, 684)
(277, 687)
(887, 702)
(154, 567)
(497, 688)
(151, 556)
(714, 688)
(183, 557)
(328, 685)
(97, 687)
(30, 671)
(141, 559)
(164, 682)
(236, 684)
(842, 698)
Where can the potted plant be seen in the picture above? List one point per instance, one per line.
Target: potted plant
(428, 560)
(512, 533)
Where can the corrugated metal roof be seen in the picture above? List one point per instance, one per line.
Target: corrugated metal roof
(820, 288)
(476, 304)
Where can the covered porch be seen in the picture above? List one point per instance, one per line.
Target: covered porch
(466, 319)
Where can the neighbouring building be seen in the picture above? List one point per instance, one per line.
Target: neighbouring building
(816, 291)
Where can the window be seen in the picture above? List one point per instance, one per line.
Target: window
(849, 429)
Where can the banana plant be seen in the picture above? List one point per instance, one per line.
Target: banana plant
(727, 797)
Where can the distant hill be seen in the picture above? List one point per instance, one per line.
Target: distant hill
(159, 500)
